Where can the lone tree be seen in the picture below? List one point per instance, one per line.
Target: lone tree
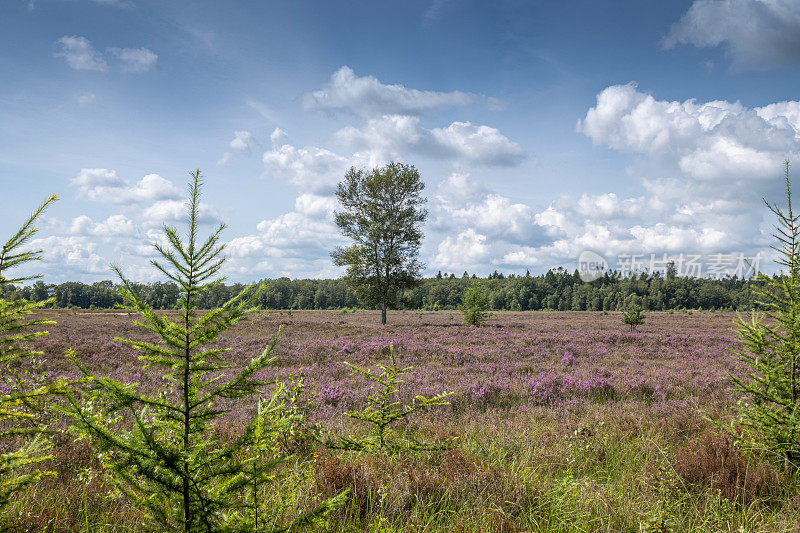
(382, 212)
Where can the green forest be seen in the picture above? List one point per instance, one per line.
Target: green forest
(555, 290)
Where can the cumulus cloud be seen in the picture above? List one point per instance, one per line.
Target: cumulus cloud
(316, 206)
(311, 169)
(74, 254)
(135, 59)
(103, 185)
(295, 244)
(392, 135)
(495, 215)
(459, 188)
(367, 96)
(481, 144)
(80, 54)
(472, 227)
(112, 227)
(715, 140)
(614, 227)
(242, 142)
(758, 34)
(174, 211)
(465, 251)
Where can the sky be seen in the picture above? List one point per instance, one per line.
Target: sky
(542, 129)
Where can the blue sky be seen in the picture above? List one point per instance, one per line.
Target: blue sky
(541, 129)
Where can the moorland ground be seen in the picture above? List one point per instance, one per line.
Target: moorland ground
(563, 421)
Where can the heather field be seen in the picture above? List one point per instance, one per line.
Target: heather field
(558, 421)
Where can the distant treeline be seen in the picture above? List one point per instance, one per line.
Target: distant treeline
(557, 290)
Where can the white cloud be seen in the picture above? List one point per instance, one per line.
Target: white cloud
(459, 189)
(113, 226)
(311, 169)
(89, 179)
(613, 226)
(461, 203)
(609, 206)
(295, 244)
(85, 99)
(316, 206)
(497, 216)
(758, 34)
(278, 137)
(390, 135)
(173, 211)
(103, 185)
(716, 140)
(80, 54)
(481, 144)
(242, 142)
(471, 227)
(464, 252)
(73, 254)
(135, 59)
(367, 96)
(663, 237)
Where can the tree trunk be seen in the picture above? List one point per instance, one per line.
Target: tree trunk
(383, 313)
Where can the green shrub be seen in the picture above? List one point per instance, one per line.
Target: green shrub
(633, 316)
(474, 305)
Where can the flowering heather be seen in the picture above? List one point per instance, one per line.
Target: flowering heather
(564, 421)
(519, 359)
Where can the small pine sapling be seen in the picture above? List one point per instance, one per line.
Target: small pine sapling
(769, 352)
(383, 409)
(474, 306)
(24, 396)
(280, 419)
(168, 459)
(633, 316)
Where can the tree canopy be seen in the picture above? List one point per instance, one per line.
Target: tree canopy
(382, 212)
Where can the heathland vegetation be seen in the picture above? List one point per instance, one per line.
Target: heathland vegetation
(219, 417)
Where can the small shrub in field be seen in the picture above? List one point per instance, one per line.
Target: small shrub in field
(383, 409)
(633, 316)
(24, 396)
(167, 458)
(769, 353)
(474, 306)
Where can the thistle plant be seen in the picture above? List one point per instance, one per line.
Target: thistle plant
(384, 409)
(633, 316)
(23, 396)
(769, 351)
(166, 458)
(474, 306)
